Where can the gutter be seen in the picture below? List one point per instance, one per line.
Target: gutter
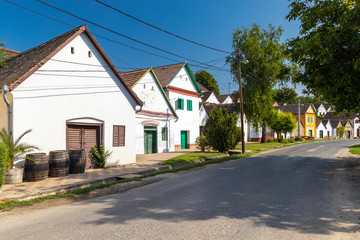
(6, 90)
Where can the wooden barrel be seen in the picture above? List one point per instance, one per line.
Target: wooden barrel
(36, 167)
(14, 176)
(59, 163)
(77, 161)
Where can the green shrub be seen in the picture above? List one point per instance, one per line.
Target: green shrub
(202, 142)
(271, 140)
(298, 139)
(220, 129)
(3, 164)
(238, 134)
(99, 155)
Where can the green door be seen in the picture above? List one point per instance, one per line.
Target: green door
(184, 140)
(310, 133)
(150, 140)
(321, 134)
(348, 134)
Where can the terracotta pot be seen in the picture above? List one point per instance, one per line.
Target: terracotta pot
(14, 175)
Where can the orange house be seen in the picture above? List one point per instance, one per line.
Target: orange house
(307, 117)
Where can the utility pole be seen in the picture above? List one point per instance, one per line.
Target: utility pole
(243, 147)
(229, 88)
(299, 118)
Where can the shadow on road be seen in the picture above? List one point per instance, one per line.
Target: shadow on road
(305, 194)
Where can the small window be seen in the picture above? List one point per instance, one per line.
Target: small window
(90, 54)
(152, 88)
(312, 119)
(308, 119)
(180, 104)
(72, 50)
(164, 134)
(144, 86)
(118, 135)
(189, 105)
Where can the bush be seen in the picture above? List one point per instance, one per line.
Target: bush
(220, 129)
(271, 140)
(202, 142)
(298, 139)
(3, 164)
(99, 155)
(238, 134)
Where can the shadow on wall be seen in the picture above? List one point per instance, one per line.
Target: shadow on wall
(293, 193)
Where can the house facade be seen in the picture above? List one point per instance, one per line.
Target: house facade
(70, 94)
(185, 95)
(352, 117)
(155, 119)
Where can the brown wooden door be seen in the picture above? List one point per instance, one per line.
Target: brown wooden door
(83, 137)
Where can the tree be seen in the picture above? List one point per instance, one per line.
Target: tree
(207, 80)
(328, 50)
(220, 129)
(281, 122)
(340, 131)
(3, 58)
(266, 67)
(285, 95)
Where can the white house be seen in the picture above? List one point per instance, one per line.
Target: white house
(226, 99)
(320, 109)
(210, 97)
(70, 94)
(154, 121)
(184, 94)
(321, 130)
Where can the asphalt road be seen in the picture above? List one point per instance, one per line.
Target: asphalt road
(301, 192)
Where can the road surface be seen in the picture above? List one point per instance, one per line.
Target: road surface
(300, 192)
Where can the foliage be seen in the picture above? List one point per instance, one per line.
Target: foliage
(340, 131)
(99, 155)
(238, 134)
(266, 67)
(355, 149)
(282, 122)
(207, 80)
(3, 164)
(13, 151)
(220, 129)
(202, 142)
(3, 58)
(309, 99)
(328, 50)
(298, 139)
(285, 95)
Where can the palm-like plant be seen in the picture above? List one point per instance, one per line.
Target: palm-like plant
(13, 151)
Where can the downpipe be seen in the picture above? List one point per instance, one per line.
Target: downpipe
(6, 90)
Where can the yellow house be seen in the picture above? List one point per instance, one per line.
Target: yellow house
(307, 117)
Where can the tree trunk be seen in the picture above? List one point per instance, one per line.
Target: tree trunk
(263, 133)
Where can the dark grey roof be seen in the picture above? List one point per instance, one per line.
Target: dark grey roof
(341, 116)
(293, 108)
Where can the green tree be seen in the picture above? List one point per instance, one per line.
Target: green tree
(328, 50)
(266, 67)
(281, 122)
(207, 80)
(3, 58)
(220, 129)
(285, 95)
(340, 131)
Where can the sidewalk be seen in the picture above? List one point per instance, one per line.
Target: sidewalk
(144, 164)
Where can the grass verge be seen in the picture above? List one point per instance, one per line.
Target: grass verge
(190, 157)
(355, 149)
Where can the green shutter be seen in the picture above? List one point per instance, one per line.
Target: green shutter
(189, 105)
(180, 104)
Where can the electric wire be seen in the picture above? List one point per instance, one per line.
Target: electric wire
(160, 29)
(127, 37)
(108, 39)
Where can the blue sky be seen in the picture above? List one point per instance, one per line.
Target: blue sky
(208, 22)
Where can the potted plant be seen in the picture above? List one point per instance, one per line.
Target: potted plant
(202, 143)
(99, 155)
(12, 151)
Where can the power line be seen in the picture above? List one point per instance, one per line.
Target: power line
(160, 29)
(127, 37)
(108, 39)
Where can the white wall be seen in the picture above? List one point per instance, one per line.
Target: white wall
(203, 116)
(228, 100)
(212, 99)
(319, 128)
(154, 101)
(321, 110)
(61, 91)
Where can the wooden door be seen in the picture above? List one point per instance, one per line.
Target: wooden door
(150, 142)
(83, 137)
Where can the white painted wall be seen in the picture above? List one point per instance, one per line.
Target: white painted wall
(319, 128)
(188, 120)
(212, 99)
(150, 93)
(203, 116)
(356, 124)
(321, 111)
(228, 100)
(61, 91)
(328, 128)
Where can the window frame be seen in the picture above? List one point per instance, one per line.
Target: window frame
(117, 142)
(164, 133)
(180, 104)
(189, 105)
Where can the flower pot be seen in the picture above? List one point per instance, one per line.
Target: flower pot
(14, 175)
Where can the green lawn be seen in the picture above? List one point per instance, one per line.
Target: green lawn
(189, 157)
(260, 147)
(355, 149)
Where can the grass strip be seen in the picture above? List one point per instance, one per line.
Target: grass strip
(189, 157)
(355, 149)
